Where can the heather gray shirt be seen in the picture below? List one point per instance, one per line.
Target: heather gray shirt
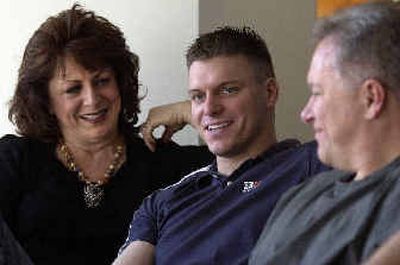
(332, 219)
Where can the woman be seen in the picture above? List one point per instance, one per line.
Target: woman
(69, 185)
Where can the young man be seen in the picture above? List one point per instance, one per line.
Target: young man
(341, 217)
(215, 214)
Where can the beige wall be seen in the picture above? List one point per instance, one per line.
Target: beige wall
(286, 26)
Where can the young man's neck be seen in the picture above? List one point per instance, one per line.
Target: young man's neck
(227, 165)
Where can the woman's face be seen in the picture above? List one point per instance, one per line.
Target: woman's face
(86, 103)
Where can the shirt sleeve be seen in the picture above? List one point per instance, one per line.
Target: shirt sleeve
(143, 226)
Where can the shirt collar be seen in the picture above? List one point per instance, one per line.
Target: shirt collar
(212, 169)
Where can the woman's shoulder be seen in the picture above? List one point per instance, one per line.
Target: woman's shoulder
(21, 140)
(12, 139)
(16, 139)
(17, 145)
(13, 142)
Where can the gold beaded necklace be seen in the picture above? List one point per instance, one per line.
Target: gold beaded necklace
(93, 192)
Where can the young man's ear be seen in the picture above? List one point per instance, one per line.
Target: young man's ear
(374, 96)
(272, 91)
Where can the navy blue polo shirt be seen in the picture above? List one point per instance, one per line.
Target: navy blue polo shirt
(208, 218)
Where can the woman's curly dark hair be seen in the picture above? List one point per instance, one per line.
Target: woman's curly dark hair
(94, 43)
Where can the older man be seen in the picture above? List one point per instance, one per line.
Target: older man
(342, 216)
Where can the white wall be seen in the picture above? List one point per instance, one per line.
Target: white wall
(286, 26)
(157, 30)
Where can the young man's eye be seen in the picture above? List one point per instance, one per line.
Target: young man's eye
(197, 97)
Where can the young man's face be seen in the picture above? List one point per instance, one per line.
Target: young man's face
(230, 107)
(334, 108)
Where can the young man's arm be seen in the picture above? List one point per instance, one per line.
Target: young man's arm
(136, 253)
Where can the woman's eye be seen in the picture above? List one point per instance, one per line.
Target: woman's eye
(73, 89)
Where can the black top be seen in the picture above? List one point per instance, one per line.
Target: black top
(332, 219)
(43, 203)
(11, 252)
